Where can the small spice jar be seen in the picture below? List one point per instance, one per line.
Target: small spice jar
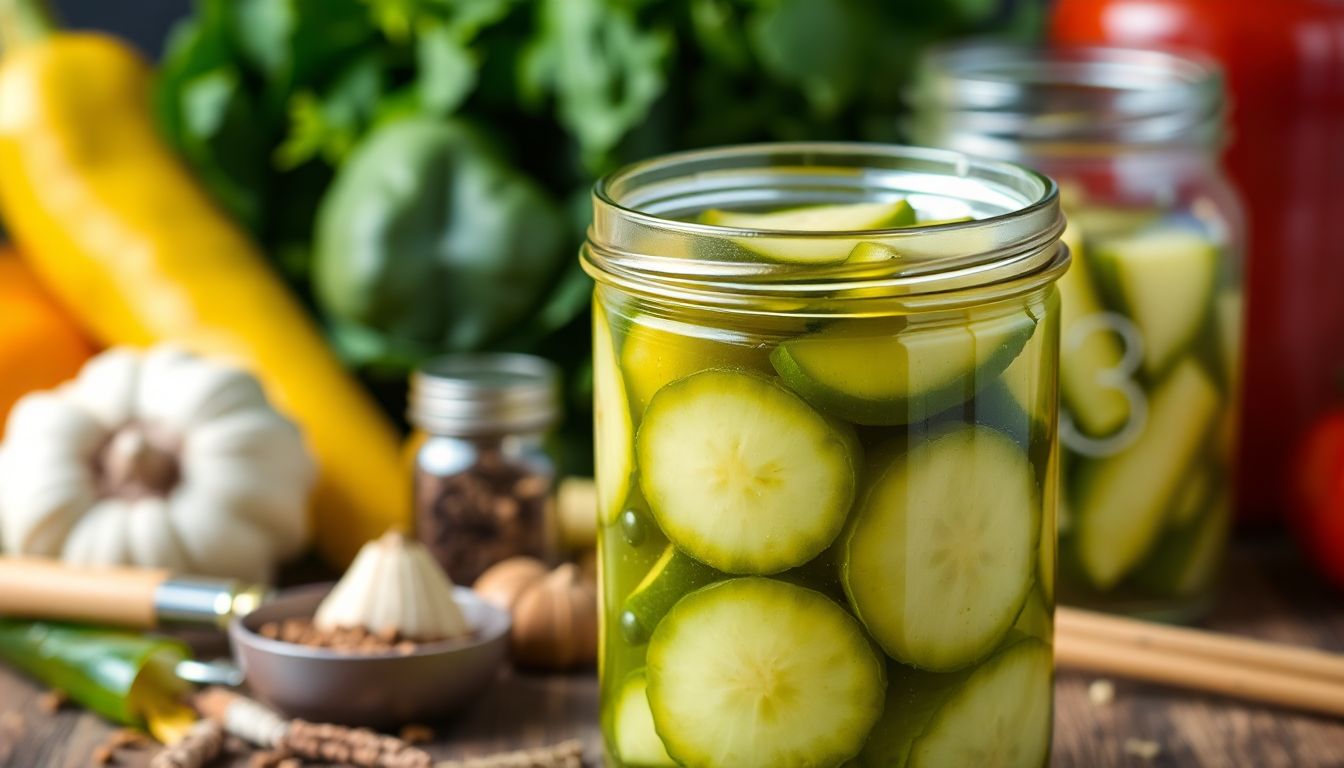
(483, 480)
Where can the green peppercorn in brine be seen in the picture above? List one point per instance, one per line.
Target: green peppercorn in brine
(827, 466)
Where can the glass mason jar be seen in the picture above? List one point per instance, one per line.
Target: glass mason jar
(826, 457)
(1152, 307)
(482, 477)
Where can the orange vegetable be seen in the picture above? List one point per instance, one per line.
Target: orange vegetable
(40, 346)
(116, 225)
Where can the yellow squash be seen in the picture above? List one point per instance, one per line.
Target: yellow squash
(121, 232)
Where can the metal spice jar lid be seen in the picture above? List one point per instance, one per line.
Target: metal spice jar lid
(484, 394)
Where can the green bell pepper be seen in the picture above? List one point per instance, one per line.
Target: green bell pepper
(429, 242)
(119, 675)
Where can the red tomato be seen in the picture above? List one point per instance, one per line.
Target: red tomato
(1285, 67)
(1318, 514)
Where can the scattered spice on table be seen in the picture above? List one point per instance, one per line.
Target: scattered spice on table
(347, 639)
(1142, 748)
(122, 738)
(202, 744)
(567, 754)
(416, 733)
(268, 758)
(1101, 692)
(12, 726)
(50, 702)
(262, 727)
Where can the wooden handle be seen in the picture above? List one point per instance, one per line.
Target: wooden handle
(33, 588)
(1145, 635)
(1212, 675)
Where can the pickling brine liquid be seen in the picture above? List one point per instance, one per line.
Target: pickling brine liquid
(826, 542)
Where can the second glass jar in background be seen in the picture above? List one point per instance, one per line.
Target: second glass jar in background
(482, 477)
(826, 458)
(1152, 307)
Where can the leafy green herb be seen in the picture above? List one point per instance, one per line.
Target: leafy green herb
(270, 101)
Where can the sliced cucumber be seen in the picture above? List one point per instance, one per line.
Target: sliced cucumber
(1165, 280)
(1052, 512)
(868, 252)
(742, 475)
(1122, 500)
(1230, 308)
(902, 377)
(942, 551)
(846, 217)
(857, 217)
(756, 673)
(671, 578)
(1036, 619)
(1187, 560)
(1191, 500)
(913, 698)
(653, 357)
(1022, 381)
(1000, 716)
(613, 430)
(637, 741)
(1095, 221)
(996, 714)
(1088, 350)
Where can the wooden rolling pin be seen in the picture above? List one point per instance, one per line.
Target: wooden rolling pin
(137, 598)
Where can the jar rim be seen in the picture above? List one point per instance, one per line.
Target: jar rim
(1009, 248)
(998, 98)
(484, 394)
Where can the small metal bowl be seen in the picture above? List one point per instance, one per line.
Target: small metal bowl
(381, 690)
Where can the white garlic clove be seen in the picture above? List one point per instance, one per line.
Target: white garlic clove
(394, 585)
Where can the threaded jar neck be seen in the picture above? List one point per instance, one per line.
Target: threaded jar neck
(645, 239)
(1010, 101)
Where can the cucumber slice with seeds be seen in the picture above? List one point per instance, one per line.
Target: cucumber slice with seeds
(1122, 501)
(1088, 350)
(1187, 560)
(612, 427)
(903, 377)
(672, 577)
(1165, 279)
(756, 673)
(653, 357)
(857, 217)
(742, 475)
(1036, 619)
(1000, 716)
(996, 714)
(637, 741)
(961, 513)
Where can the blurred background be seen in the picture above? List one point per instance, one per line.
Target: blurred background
(269, 101)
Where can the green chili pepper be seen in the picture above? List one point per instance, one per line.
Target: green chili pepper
(119, 675)
(430, 242)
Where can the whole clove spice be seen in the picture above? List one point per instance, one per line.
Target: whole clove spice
(202, 744)
(483, 482)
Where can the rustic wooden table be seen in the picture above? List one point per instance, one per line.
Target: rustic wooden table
(1267, 594)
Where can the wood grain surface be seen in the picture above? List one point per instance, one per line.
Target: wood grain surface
(1267, 594)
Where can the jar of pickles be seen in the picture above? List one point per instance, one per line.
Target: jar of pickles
(1152, 307)
(825, 381)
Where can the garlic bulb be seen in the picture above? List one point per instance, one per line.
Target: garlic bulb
(394, 585)
(157, 459)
